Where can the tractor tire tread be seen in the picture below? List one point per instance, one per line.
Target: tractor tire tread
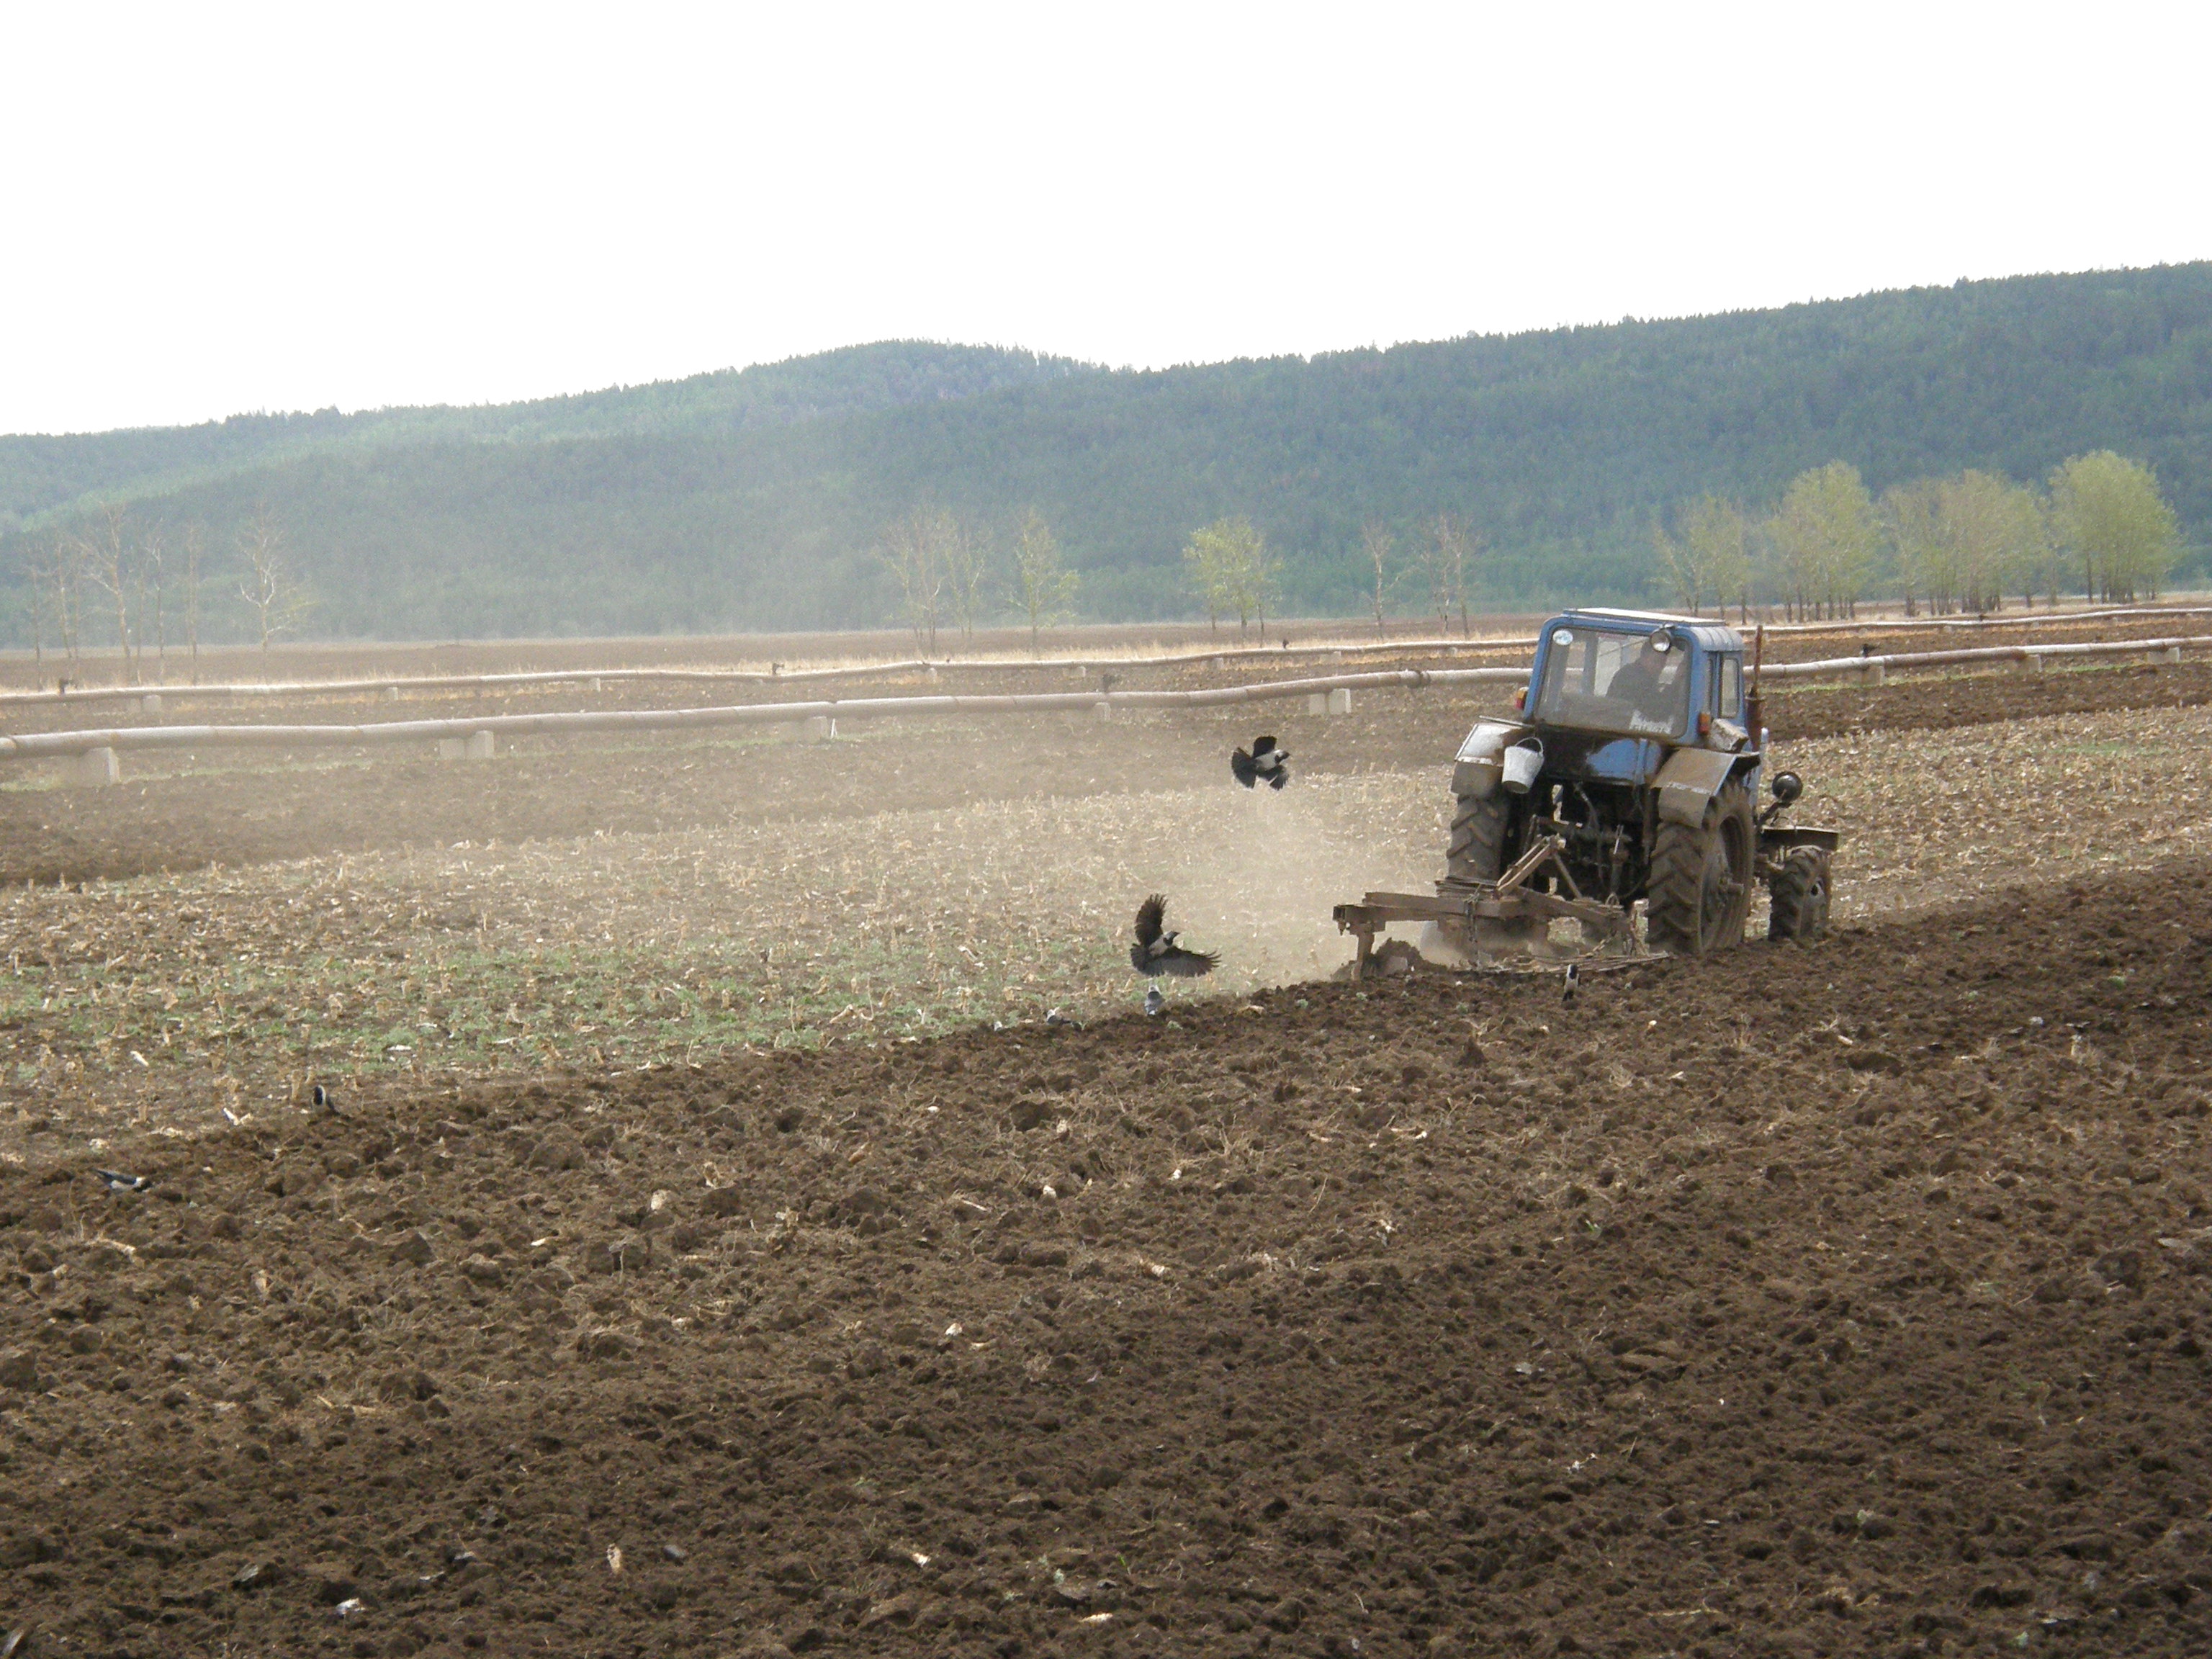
(1477, 848)
(1798, 907)
(1673, 891)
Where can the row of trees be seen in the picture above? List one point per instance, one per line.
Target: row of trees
(950, 571)
(1956, 543)
(1231, 570)
(130, 579)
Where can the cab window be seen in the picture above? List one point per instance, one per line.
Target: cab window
(1730, 688)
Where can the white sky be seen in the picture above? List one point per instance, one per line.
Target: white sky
(213, 208)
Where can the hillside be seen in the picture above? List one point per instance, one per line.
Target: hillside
(642, 511)
(40, 475)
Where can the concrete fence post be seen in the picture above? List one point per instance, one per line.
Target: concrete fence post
(92, 767)
(392, 693)
(1340, 700)
(1317, 702)
(482, 745)
(1873, 673)
(2172, 653)
(820, 728)
(1103, 709)
(2035, 665)
(150, 703)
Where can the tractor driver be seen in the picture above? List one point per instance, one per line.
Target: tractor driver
(1646, 684)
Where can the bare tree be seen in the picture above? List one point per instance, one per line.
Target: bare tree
(912, 551)
(109, 560)
(267, 587)
(59, 571)
(966, 551)
(150, 580)
(1044, 585)
(1381, 548)
(1447, 560)
(195, 546)
(42, 568)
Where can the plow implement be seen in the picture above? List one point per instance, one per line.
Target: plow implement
(1463, 905)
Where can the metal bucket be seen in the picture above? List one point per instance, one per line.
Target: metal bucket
(1521, 763)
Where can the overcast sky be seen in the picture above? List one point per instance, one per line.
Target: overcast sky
(212, 208)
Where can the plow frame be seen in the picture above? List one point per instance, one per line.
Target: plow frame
(1507, 899)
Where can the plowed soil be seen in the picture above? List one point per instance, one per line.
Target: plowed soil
(1841, 1301)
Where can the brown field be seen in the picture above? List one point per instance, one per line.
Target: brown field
(711, 1249)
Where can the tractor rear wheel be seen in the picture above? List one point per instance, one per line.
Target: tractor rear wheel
(1699, 891)
(1798, 896)
(1480, 850)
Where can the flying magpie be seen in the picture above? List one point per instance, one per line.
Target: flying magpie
(1157, 953)
(1264, 760)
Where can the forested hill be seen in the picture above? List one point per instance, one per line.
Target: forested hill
(1558, 447)
(40, 475)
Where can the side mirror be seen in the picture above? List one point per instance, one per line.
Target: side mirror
(1787, 786)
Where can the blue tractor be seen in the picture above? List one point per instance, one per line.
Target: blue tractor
(1630, 773)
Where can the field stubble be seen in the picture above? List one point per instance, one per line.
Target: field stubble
(154, 1002)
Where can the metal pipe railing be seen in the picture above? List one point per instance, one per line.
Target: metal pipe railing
(395, 683)
(37, 745)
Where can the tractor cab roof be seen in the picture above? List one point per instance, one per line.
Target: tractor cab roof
(1707, 636)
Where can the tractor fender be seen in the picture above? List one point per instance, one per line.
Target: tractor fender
(1481, 759)
(1690, 779)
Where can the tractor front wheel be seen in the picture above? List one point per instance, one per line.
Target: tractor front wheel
(1699, 892)
(1798, 896)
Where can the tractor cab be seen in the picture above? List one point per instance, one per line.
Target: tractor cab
(1636, 684)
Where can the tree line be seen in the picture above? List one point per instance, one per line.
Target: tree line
(952, 570)
(1552, 452)
(121, 580)
(2102, 528)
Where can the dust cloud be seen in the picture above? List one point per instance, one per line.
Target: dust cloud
(1256, 877)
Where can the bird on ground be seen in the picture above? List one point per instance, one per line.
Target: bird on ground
(323, 1098)
(1054, 1016)
(1574, 981)
(1157, 953)
(1154, 1002)
(116, 1182)
(1264, 760)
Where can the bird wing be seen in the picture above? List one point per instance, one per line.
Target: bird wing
(1280, 776)
(1262, 745)
(1242, 768)
(1149, 915)
(1186, 964)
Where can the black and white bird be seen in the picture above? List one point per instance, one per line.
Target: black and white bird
(1154, 1002)
(1157, 953)
(115, 1182)
(1264, 761)
(1574, 981)
(323, 1098)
